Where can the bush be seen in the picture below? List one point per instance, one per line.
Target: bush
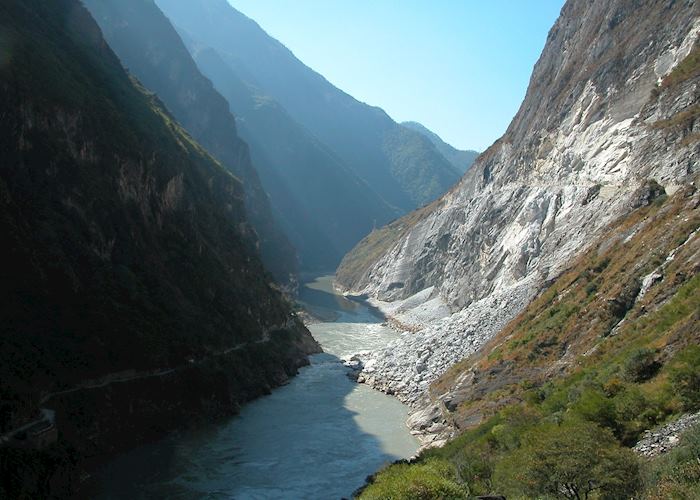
(685, 378)
(640, 366)
(592, 405)
(433, 479)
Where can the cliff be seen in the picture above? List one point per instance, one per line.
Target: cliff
(134, 300)
(612, 104)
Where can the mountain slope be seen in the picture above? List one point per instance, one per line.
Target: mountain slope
(151, 49)
(613, 342)
(324, 207)
(461, 160)
(133, 298)
(402, 167)
(606, 112)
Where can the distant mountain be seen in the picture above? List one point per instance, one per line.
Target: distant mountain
(460, 159)
(133, 298)
(151, 49)
(401, 166)
(322, 205)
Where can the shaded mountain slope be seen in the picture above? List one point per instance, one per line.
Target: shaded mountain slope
(402, 167)
(150, 48)
(133, 297)
(323, 206)
(460, 160)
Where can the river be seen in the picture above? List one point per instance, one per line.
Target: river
(317, 437)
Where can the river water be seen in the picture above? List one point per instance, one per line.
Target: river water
(317, 437)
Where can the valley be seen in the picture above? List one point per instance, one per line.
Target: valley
(225, 276)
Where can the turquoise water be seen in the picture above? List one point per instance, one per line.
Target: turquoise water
(317, 437)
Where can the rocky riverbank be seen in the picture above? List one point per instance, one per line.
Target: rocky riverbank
(432, 339)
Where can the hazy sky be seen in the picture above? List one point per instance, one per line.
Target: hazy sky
(460, 67)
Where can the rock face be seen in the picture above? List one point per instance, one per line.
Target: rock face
(133, 297)
(658, 441)
(151, 49)
(604, 113)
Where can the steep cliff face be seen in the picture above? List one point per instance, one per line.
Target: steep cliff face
(150, 48)
(613, 342)
(610, 105)
(133, 298)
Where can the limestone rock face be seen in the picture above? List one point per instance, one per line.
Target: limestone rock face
(601, 118)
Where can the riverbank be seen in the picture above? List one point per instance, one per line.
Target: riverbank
(319, 436)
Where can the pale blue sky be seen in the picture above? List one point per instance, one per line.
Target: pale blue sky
(460, 67)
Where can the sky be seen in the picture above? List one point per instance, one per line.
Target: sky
(459, 67)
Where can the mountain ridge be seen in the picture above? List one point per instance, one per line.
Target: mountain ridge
(363, 137)
(151, 49)
(460, 159)
(325, 207)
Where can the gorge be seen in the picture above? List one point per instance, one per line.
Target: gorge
(177, 190)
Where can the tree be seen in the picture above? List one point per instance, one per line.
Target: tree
(573, 460)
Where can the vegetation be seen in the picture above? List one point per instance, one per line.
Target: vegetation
(625, 363)
(573, 460)
(685, 378)
(433, 478)
(676, 475)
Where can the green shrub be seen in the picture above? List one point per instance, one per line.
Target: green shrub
(571, 460)
(433, 479)
(592, 405)
(640, 366)
(685, 377)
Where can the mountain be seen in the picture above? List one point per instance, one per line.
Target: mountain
(552, 295)
(134, 300)
(609, 120)
(401, 166)
(607, 351)
(151, 50)
(318, 202)
(460, 160)
(322, 205)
